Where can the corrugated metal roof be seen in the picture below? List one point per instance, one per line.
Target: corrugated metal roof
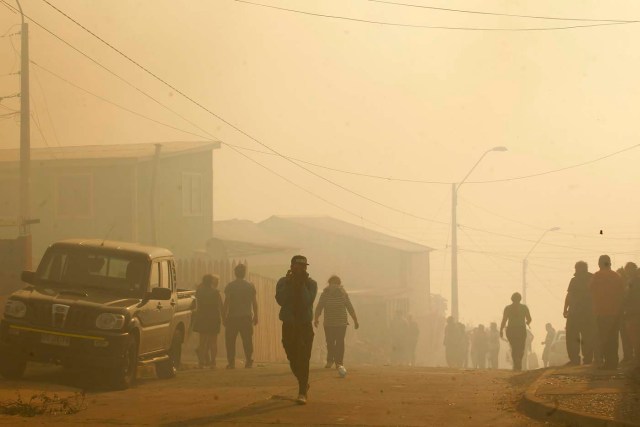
(119, 151)
(336, 226)
(240, 230)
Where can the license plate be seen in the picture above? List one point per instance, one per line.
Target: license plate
(59, 340)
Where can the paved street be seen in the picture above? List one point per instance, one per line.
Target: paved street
(263, 395)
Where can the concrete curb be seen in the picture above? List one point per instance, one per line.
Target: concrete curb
(541, 409)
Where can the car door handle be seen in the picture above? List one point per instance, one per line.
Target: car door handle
(173, 303)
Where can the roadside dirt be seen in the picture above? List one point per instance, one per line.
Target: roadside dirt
(369, 395)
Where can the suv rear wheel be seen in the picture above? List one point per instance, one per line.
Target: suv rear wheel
(167, 368)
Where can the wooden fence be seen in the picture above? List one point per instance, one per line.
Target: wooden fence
(267, 337)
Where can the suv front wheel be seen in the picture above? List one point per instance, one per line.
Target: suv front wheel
(123, 375)
(167, 368)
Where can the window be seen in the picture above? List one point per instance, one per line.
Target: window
(165, 280)
(80, 268)
(74, 196)
(191, 194)
(154, 281)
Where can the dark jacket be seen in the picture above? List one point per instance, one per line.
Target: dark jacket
(286, 297)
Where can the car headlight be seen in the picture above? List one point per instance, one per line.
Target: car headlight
(110, 321)
(15, 308)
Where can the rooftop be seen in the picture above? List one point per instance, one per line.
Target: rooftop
(119, 151)
(335, 226)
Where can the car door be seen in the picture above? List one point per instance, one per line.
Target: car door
(150, 315)
(166, 308)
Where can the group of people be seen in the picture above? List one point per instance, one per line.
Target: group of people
(295, 293)
(480, 345)
(603, 309)
(238, 313)
(404, 339)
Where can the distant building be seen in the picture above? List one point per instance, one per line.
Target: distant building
(158, 194)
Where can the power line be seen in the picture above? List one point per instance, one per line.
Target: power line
(133, 112)
(421, 181)
(555, 170)
(433, 27)
(128, 110)
(47, 110)
(477, 12)
(238, 129)
(586, 236)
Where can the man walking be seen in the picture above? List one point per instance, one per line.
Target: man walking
(515, 319)
(240, 314)
(295, 293)
(494, 346)
(607, 292)
(578, 310)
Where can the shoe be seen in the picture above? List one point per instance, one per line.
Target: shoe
(302, 399)
(230, 366)
(328, 365)
(572, 363)
(248, 364)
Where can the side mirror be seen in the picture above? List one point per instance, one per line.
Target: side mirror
(28, 277)
(163, 294)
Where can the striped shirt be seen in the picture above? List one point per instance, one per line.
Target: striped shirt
(335, 303)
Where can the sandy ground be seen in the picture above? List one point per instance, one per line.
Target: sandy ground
(369, 395)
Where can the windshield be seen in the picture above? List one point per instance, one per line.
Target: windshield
(122, 273)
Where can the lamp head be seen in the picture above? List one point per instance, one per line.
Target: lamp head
(499, 148)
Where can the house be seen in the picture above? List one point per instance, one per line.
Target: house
(156, 194)
(382, 273)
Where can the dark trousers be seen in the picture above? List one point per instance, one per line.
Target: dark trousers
(608, 332)
(297, 340)
(517, 338)
(243, 326)
(335, 343)
(580, 336)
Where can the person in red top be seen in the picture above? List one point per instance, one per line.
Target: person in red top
(607, 291)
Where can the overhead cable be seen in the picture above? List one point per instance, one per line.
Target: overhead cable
(512, 15)
(236, 128)
(433, 27)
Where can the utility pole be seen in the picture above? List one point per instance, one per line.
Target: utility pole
(454, 251)
(454, 234)
(25, 145)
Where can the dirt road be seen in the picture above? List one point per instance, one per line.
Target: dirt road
(373, 396)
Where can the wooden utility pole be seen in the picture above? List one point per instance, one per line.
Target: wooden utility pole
(25, 145)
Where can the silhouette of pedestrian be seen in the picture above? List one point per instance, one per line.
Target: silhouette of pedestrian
(295, 293)
(516, 318)
(607, 291)
(207, 320)
(578, 310)
(548, 341)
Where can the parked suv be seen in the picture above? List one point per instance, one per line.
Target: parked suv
(104, 305)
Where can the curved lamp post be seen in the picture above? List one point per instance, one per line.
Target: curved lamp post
(454, 233)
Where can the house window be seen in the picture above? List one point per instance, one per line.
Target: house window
(191, 194)
(74, 196)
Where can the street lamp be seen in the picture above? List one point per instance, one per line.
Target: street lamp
(454, 234)
(525, 263)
